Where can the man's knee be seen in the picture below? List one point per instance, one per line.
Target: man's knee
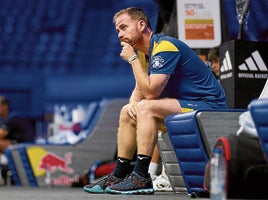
(144, 106)
(124, 116)
(145, 109)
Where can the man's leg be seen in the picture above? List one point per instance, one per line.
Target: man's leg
(126, 147)
(126, 144)
(126, 138)
(149, 113)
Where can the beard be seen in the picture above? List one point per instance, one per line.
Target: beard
(134, 40)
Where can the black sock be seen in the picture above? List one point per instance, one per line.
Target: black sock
(142, 165)
(122, 167)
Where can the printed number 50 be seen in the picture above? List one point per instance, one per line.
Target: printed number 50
(189, 12)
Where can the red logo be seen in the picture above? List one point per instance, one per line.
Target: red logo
(53, 162)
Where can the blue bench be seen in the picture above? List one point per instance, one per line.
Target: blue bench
(192, 136)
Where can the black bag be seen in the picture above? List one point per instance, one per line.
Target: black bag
(247, 168)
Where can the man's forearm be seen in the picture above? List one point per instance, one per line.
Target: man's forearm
(136, 96)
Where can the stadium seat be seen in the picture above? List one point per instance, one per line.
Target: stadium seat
(51, 42)
(192, 136)
(259, 112)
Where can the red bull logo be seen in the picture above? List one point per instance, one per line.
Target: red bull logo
(53, 162)
(43, 162)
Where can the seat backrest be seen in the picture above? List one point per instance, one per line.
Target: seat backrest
(215, 123)
(259, 112)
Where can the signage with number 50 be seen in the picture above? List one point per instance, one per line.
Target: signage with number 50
(199, 23)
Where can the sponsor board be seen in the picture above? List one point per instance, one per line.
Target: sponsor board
(46, 164)
(243, 71)
(253, 67)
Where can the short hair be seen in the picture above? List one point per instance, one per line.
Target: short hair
(134, 13)
(213, 54)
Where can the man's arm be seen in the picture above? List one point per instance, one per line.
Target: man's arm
(151, 86)
(136, 95)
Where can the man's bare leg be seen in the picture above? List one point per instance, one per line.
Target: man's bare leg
(126, 135)
(148, 114)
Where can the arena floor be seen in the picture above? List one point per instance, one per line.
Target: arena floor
(66, 193)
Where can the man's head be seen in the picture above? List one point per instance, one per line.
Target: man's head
(134, 13)
(4, 107)
(214, 58)
(131, 23)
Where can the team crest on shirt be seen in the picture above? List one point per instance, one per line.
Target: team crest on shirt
(157, 62)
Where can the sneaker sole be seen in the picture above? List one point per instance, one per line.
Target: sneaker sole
(163, 189)
(96, 190)
(140, 191)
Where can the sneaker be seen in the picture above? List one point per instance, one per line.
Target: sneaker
(100, 186)
(162, 184)
(132, 184)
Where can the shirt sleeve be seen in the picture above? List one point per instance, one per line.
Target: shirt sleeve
(164, 63)
(164, 58)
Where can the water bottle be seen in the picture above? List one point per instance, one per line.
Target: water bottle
(217, 175)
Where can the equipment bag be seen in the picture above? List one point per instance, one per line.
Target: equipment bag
(247, 168)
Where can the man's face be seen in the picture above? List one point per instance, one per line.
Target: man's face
(128, 30)
(215, 65)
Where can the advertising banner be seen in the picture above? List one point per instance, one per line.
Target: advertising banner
(199, 22)
(244, 71)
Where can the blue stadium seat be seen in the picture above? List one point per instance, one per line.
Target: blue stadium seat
(188, 146)
(55, 39)
(193, 135)
(259, 111)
